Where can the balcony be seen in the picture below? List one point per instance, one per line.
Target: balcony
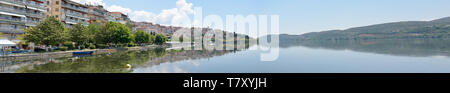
(19, 2)
(73, 22)
(12, 10)
(38, 6)
(31, 23)
(77, 15)
(96, 13)
(11, 20)
(76, 8)
(36, 15)
(7, 29)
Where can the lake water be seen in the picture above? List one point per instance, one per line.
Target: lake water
(346, 56)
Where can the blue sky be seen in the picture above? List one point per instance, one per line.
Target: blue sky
(299, 16)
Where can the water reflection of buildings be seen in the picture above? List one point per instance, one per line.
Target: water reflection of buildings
(109, 63)
(186, 55)
(13, 66)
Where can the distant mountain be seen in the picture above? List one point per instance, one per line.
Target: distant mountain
(442, 20)
(439, 28)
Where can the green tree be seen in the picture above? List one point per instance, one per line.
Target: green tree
(142, 37)
(79, 34)
(99, 34)
(160, 39)
(129, 25)
(120, 33)
(181, 38)
(49, 32)
(1, 35)
(152, 39)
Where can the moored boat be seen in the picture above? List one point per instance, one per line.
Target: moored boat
(83, 52)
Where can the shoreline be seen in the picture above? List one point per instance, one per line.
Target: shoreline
(60, 54)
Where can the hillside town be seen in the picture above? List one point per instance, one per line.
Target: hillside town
(27, 26)
(16, 15)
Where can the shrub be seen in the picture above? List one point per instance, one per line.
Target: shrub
(82, 46)
(102, 46)
(23, 45)
(69, 45)
(39, 50)
(63, 48)
(131, 45)
(160, 39)
(91, 46)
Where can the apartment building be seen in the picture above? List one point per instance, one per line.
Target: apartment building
(69, 12)
(120, 17)
(145, 26)
(161, 29)
(98, 14)
(16, 15)
(156, 28)
(35, 12)
(110, 18)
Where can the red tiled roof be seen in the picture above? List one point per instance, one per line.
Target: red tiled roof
(116, 12)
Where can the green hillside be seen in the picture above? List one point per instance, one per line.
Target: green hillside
(409, 29)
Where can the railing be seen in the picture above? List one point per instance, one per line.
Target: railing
(76, 22)
(77, 15)
(12, 20)
(12, 10)
(39, 6)
(32, 23)
(97, 13)
(37, 15)
(11, 29)
(75, 8)
(71, 21)
(20, 2)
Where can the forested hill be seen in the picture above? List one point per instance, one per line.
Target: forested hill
(439, 28)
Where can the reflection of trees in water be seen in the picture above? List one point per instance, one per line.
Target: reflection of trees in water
(10, 66)
(159, 52)
(180, 55)
(115, 62)
(400, 47)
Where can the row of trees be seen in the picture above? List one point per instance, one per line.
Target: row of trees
(52, 32)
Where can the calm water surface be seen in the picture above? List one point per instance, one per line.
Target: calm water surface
(349, 56)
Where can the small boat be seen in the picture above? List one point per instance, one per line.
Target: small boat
(83, 52)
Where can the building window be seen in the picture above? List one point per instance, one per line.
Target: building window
(56, 9)
(57, 2)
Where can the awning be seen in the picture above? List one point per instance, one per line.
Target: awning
(5, 43)
(12, 4)
(36, 9)
(11, 14)
(71, 22)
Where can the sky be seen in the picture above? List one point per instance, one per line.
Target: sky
(295, 16)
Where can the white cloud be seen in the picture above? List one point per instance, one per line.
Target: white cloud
(143, 16)
(184, 7)
(182, 11)
(116, 8)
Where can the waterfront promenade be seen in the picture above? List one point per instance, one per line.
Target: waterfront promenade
(59, 54)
